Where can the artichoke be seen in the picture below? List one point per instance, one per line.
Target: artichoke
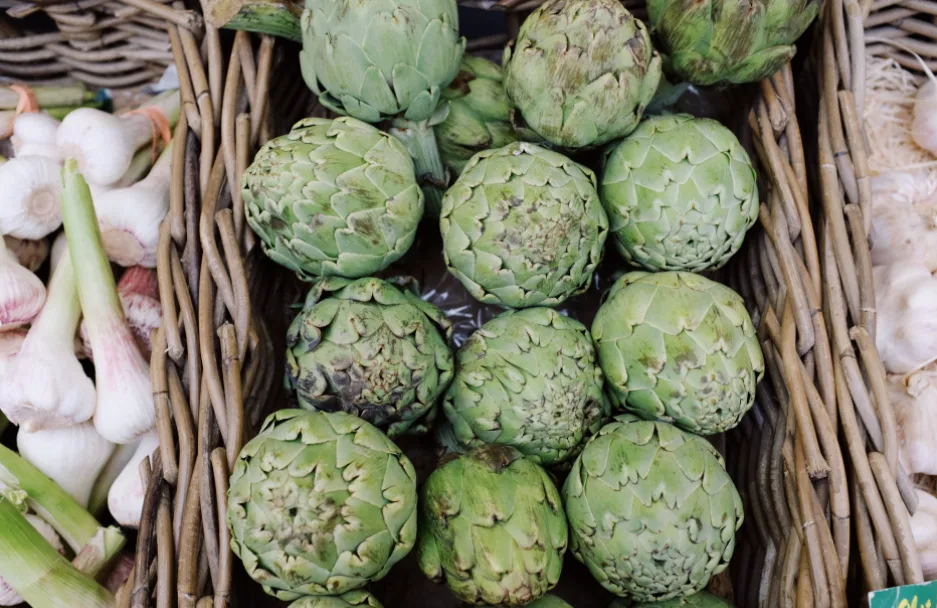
(333, 197)
(527, 379)
(680, 193)
(320, 503)
(352, 599)
(652, 511)
(492, 527)
(729, 42)
(523, 226)
(678, 347)
(697, 600)
(581, 72)
(370, 348)
(479, 114)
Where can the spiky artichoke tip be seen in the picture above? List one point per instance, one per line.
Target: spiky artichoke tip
(333, 198)
(523, 226)
(581, 72)
(652, 511)
(373, 348)
(680, 193)
(320, 503)
(678, 347)
(526, 379)
(492, 527)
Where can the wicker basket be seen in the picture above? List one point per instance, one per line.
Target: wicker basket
(816, 461)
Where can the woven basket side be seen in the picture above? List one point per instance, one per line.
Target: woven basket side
(217, 360)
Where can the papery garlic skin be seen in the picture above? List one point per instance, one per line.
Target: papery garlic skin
(22, 294)
(31, 188)
(31, 254)
(72, 457)
(906, 331)
(44, 386)
(125, 499)
(138, 290)
(34, 134)
(102, 143)
(8, 595)
(904, 219)
(924, 124)
(924, 531)
(914, 402)
(125, 409)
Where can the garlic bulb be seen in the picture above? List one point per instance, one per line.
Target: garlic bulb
(8, 595)
(924, 531)
(138, 290)
(30, 254)
(904, 219)
(924, 125)
(71, 457)
(906, 299)
(31, 187)
(22, 294)
(34, 135)
(914, 401)
(125, 498)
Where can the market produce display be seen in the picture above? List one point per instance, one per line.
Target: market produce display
(652, 511)
(720, 42)
(371, 348)
(523, 226)
(331, 481)
(492, 527)
(680, 193)
(527, 379)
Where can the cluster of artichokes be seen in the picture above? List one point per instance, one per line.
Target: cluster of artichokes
(322, 502)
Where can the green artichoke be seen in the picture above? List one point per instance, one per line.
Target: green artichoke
(492, 527)
(678, 347)
(527, 379)
(333, 197)
(382, 58)
(697, 600)
(680, 193)
(581, 72)
(320, 504)
(523, 226)
(370, 348)
(479, 114)
(726, 41)
(652, 511)
(352, 599)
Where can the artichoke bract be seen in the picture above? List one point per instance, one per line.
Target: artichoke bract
(678, 347)
(680, 193)
(320, 503)
(652, 511)
(728, 42)
(333, 197)
(527, 379)
(352, 599)
(479, 114)
(697, 600)
(523, 226)
(372, 348)
(581, 72)
(492, 528)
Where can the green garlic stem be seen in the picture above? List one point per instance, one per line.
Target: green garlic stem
(60, 315)
(45, 579)
(97, 290)
(72, 95)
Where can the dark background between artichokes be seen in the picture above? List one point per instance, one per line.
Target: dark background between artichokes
(406, 586)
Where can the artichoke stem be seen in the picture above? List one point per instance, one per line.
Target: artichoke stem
(420, 140)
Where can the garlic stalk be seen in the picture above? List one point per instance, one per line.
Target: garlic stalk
(31, 187)
(130, 217)
(109, 474)
(59, 249)
(140, 165)
(34, 135)
(31, 254)
(125, 409)
(138, 290)
(104, 144)
(125, 498)
(8, 595)
(914, 401)
(924, 531)
(906, 299)
(22, 294)
(71, 457)
(44, 386)
(43, 577)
